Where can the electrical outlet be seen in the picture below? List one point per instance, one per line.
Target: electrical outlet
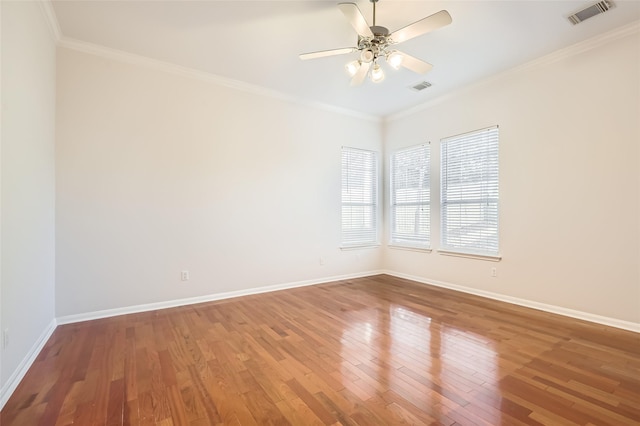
(5, 338)
(322, 261)
(184, 275)
(494, 272)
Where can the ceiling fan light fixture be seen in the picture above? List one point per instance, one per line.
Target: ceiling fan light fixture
(377, 75)
(375, 42)
(352, 68)
(395, 59)
(367, 55)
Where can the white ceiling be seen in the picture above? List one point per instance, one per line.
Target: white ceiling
(258, 42)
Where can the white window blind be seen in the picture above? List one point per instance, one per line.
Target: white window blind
(469, 194)
(359, 197)
(410, 197)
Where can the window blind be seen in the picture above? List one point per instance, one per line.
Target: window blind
(359, 197)
(469, 193)
(411, 197)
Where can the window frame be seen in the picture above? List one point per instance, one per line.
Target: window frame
(486, 192)
(369, 236)
(409, 240)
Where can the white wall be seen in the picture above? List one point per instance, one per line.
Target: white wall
(569, 182)
(158, 172)
(28, 189)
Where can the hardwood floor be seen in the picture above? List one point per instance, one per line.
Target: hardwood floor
(370, 351)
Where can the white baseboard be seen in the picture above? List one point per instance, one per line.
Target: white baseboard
(19, 373)
(69, 319)
(13, 382)
(598, 319)
(7, 390)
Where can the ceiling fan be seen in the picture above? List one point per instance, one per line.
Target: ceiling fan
(375, 42)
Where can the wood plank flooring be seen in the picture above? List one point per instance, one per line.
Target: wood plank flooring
(369, 351)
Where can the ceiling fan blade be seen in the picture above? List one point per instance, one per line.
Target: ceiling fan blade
(415, 64)
(323, 53)
(361, 74)
(356, 19)
(423, 26)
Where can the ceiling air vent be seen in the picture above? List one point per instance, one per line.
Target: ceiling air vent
(421, 86)
(590, 12)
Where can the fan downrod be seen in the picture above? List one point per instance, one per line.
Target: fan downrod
(374, 12)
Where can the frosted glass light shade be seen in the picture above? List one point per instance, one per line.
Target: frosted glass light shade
(352, 68)
(395, 59)
(367, 56)
(377, 75)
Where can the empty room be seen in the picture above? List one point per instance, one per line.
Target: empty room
(377, 212)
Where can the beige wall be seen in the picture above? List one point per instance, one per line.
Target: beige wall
(158, 173)
(27, 176)
(569, 182)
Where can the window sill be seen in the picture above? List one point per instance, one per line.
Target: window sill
(491, 258)
(409, 248)
(362, 247)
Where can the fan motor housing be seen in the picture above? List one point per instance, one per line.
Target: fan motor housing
(379, 31)
(378, 42)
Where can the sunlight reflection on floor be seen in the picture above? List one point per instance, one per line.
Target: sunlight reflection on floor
(427, 361)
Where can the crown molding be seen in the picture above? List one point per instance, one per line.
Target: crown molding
(558, 55)
(122, 56)
(135, 59)
(52, 21)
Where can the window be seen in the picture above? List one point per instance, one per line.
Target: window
(410, 197)
(469, 195)
(359, 197)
